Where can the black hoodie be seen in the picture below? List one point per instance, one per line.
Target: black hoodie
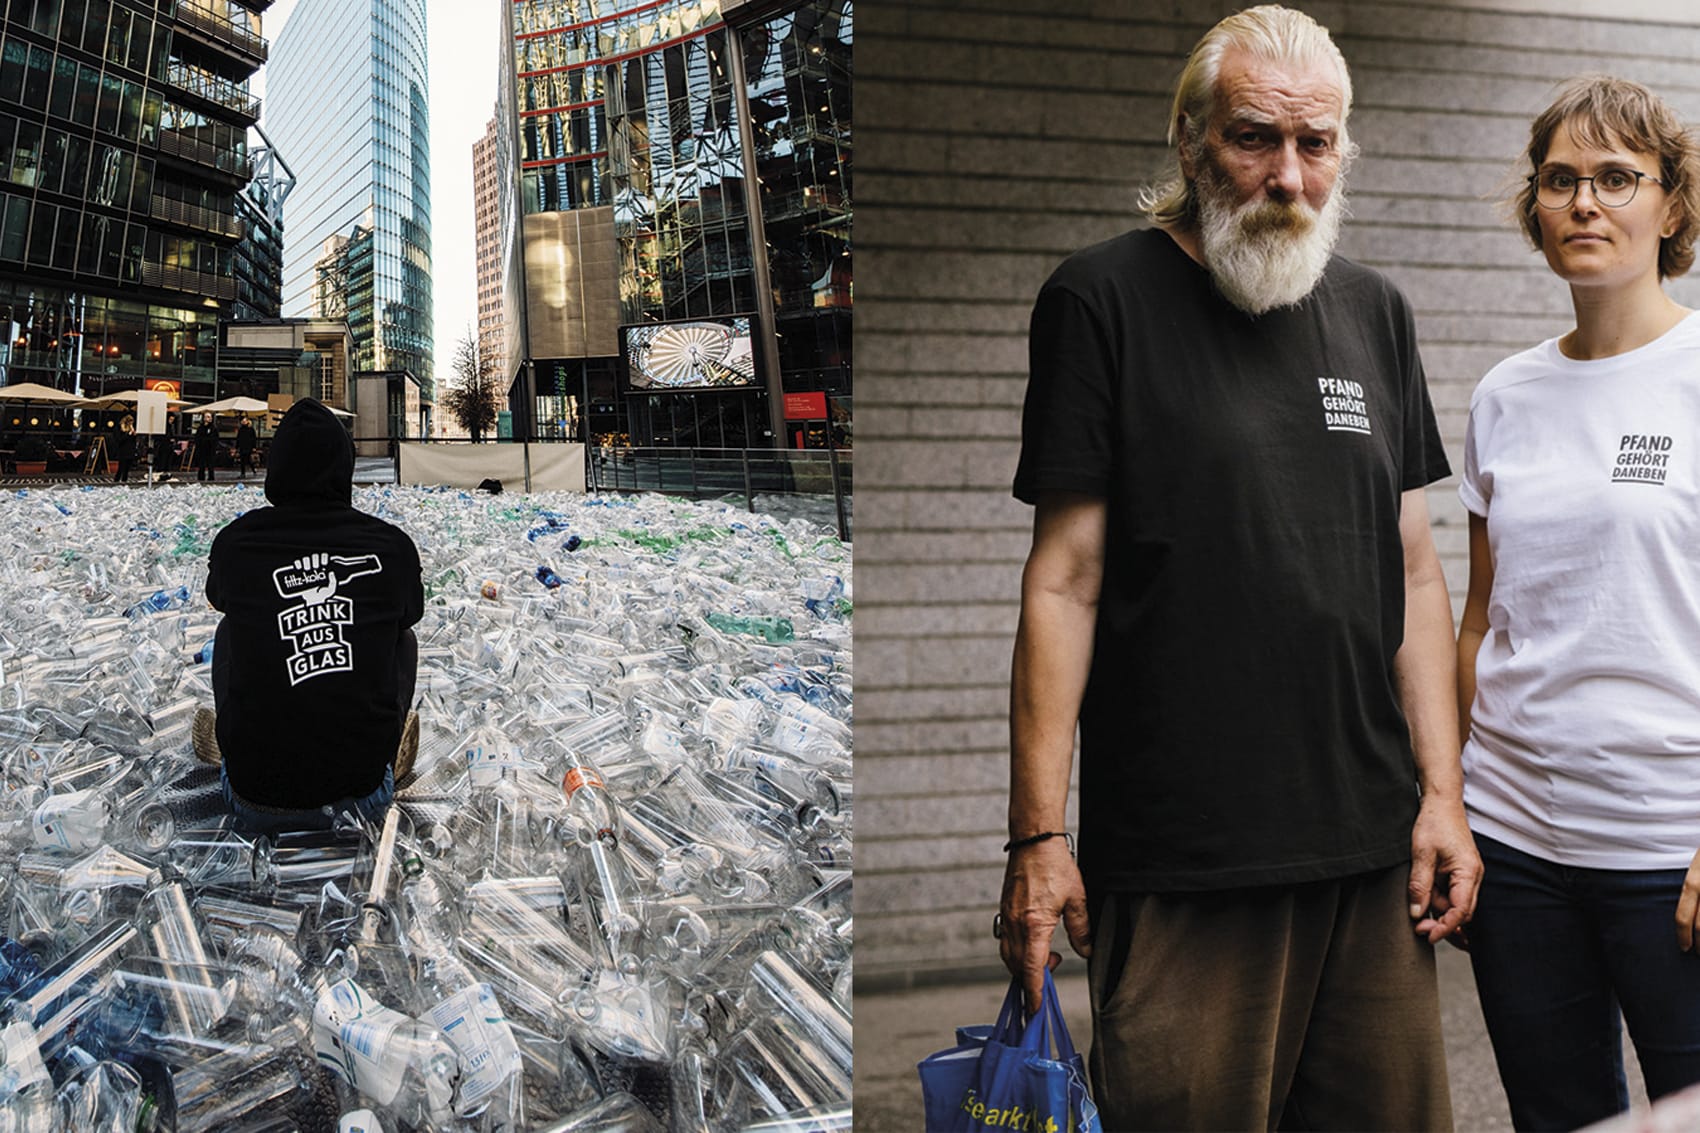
(316, 597)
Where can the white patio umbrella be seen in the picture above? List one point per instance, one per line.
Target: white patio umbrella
(35, 392)
(233, 405)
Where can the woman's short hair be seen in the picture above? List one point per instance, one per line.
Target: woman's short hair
(1269, 32)
(1605, 112)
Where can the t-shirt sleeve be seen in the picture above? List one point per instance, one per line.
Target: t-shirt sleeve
(1472, 488)
(1424, 454)
(1067, 419)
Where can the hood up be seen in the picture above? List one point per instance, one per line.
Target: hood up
(311, 458)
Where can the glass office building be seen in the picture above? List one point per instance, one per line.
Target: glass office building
(123, 147)
(657, 298)
(346, 102)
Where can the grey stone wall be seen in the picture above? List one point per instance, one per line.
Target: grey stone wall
(997, 136)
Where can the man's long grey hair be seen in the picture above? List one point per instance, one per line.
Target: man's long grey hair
(1268, 32)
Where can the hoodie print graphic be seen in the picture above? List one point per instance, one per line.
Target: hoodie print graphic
(316, 626)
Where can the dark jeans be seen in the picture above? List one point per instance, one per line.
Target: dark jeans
(1557, 950)
(263, 820)
(256, 820)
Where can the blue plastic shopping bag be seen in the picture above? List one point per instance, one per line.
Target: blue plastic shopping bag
(1010, 1076)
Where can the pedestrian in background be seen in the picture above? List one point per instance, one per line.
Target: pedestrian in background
(245, 447)
(125, 448)
(206, 448)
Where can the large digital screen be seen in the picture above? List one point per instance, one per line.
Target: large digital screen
(701, 354)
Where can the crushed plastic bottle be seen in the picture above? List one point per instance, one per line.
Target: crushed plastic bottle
(613, 893)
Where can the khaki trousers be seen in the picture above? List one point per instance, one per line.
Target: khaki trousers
(1304, 1007)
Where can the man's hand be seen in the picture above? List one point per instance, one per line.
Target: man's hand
(1688, 908)
(1041, 884)
(1446, 871)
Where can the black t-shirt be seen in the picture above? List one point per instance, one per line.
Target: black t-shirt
(1241, 724)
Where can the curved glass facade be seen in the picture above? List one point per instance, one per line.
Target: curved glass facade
(638, 108)
(346, 100)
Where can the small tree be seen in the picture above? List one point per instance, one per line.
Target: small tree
(475, 394)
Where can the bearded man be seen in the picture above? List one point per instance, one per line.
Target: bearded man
(1233, 591)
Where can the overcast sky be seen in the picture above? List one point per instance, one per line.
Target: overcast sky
(461, 39)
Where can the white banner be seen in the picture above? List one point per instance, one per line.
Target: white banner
(554, 467)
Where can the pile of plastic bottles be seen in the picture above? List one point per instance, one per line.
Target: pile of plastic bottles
(614, 893)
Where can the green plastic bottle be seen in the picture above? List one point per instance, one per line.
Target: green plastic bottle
(768, 628)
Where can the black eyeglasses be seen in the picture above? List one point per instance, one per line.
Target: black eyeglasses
(1613, 188)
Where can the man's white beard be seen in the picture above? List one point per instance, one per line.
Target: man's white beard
(1264, 254)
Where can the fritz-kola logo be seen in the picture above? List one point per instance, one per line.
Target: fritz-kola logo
(1343, 407)
(1642, 458)
(315, 627)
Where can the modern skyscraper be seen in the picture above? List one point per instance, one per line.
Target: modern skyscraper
(346, 101)
(642, 275)
(123, 147)
(486, 200)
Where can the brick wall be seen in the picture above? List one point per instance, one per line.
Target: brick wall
(996, 137)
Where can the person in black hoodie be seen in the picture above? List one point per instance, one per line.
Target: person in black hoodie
(314, 663)
(245, 441)
(206, 448)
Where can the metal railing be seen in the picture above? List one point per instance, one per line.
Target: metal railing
(195, 216)
(699, 472)
(194, 282)
(189, 148)
(220, 28)
(193, 80)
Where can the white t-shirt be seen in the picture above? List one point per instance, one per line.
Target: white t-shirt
(1585, 740)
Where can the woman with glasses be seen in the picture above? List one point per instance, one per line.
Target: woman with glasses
(1579, 653)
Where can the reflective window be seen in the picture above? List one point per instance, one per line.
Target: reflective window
(37, 77)
(77, 167)
(88, 95)
(41, 234)
(26, 157)
(118, 36)
(130, 111)
(64, 87)
(94, 28)
(71, 21)
(13, 61)
(53, 160)
(111, 96)
(14, 228)
(65, 239)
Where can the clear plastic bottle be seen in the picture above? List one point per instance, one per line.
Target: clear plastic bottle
(160, 600)
(72, 820)
(26, 1089)
(463, 1007)
(794, 776)
(403, 1064)
(593, 826)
